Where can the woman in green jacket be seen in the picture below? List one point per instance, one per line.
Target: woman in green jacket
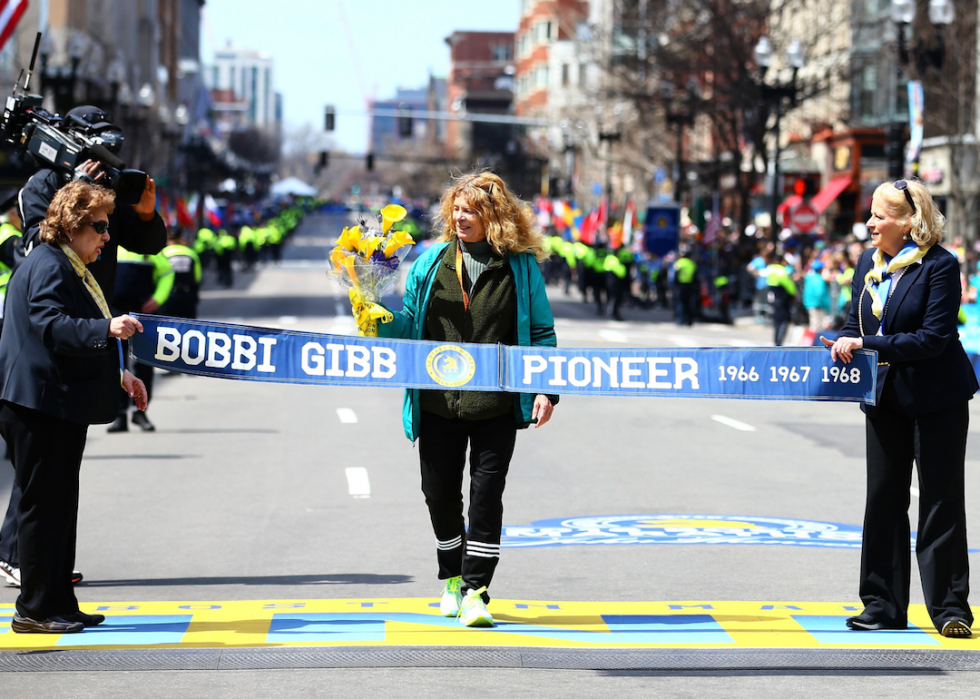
(480, 282)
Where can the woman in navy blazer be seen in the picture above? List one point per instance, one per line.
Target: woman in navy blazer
(906, 297)
(59, 373)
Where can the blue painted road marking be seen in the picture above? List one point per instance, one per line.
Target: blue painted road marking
(144, 630)
(833, 631)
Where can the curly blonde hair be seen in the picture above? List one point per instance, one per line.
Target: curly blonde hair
(925, 223)
(72, 207)
(507, 220)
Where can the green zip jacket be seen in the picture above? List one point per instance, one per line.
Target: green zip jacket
(535, 325)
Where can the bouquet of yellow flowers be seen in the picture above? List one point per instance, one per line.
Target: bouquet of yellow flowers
(366, 262)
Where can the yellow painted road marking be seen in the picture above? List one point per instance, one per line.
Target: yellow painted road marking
(416, 622)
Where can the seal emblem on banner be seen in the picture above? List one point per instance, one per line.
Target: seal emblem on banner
(450, 366)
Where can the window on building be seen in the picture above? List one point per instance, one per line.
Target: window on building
(869, 85)
(231, 78)
(582, 74)
(253, 112)
(501, 52)
(564, 74)
(215, 77)
(268, 95)
(547, 30)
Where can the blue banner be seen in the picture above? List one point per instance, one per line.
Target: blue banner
(661, 229)
(222, 350)
(762, 373)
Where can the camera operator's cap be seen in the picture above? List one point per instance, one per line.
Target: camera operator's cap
(93, 116)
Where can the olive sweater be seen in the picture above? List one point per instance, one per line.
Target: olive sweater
(490, 319)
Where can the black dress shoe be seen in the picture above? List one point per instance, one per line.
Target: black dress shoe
(120, 425)
(55, 624)
(142, 421)
(866, 622)
(84, 619)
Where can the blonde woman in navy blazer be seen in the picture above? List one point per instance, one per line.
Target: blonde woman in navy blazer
(906, 297)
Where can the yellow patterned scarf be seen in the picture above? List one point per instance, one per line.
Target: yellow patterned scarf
(90, 283)
(910, 254)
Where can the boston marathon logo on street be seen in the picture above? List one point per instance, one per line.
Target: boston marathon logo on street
(681, 529)
(223, 350)
(450, 365)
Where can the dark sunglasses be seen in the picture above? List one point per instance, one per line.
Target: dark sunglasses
(903, 186)
(99, 226)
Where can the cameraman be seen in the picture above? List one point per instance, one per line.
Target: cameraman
(138, 228)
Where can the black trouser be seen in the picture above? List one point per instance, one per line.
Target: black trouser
(937, 443)
(685, 303)
(180, 305)
(47, 454)
(474, 552)
(782, 307)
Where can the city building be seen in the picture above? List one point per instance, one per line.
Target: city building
(249, 75)
(550, 82)
(481, 80)
(386, 131)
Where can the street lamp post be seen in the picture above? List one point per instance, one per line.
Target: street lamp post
(609, 136)
(679, 119)
(778, 96)
(941, 13)
(61, 79)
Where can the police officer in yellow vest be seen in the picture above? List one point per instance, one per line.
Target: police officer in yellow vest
(204, 246)
(225, 247)
(143, 284)
(183, 299)
(783, 291)
(9, 236)
(685, 287)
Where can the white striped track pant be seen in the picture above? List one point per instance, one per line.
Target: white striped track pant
(472, 553)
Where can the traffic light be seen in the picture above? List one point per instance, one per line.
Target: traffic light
(895, 150)
(324, 160)
(369, 162)
(405, 126)
(799, 187)
(328, 119)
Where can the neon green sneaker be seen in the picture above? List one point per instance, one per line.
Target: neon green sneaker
(451, 597)
(473, 612)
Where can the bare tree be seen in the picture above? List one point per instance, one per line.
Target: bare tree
(945, 59)
(694, 59)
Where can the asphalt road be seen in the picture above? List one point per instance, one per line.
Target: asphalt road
(242, 494)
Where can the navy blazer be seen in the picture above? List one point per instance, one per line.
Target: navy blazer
(56, 355)
(921, 343)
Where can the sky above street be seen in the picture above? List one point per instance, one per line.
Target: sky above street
(344, 52)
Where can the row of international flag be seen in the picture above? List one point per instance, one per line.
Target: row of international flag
(183, 211)
(571, 222)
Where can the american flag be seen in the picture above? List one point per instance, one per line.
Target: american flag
(10, 14)
(713, 226)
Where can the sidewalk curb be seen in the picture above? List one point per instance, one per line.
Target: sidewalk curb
(608, 659)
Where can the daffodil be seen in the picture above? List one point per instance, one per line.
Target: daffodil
(350, 238)
(367, 246)
(391, 214)
(348, 264)
(398, 240)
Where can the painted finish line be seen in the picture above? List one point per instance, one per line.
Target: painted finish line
(519, 623)
(619, 530)
(229, 351)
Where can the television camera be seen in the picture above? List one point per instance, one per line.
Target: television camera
(64, 143)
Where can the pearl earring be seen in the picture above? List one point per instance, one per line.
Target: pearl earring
(905, 237)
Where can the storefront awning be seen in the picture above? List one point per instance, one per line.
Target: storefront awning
(826, 196)
(788, 203)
